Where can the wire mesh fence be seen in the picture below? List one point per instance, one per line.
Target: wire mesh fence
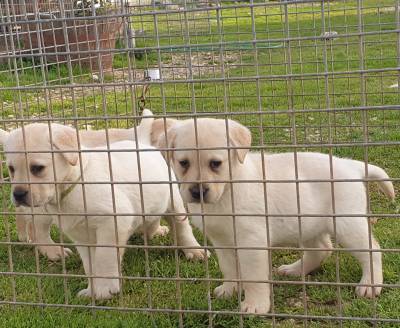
(273, 124)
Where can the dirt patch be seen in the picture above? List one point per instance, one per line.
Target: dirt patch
(201, 64)
(177, 66)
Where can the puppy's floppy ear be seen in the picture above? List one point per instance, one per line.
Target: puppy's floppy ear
(167, 141)
(3, 136)
(64, 139)
(239, 136)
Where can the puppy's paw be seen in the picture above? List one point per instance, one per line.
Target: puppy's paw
(225, 290)
(196, 254)
(104, 290)
(367, 291)
(54, 253)
(67, 252)
(289, 269)
(87, 292)
(161, 231)
(254, 306)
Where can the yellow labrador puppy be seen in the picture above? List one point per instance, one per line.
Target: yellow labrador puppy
(43, 223)
(203, 177)
(40, 231)
(102, 226)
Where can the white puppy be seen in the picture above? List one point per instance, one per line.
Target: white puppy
(198, 171)
(103, 225)
(39, 232)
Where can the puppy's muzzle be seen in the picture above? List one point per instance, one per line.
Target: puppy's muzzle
(199, 191)
(20, 195)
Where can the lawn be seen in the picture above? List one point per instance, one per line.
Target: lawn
(306, 93)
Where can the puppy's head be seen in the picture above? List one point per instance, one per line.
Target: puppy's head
(198, 171)
(29, 159)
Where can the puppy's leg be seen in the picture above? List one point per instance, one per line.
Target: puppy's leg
(185, 237)
(22, 222)
(40, 233)
(84, 254)
(254, 265)
(311, 259)
(353, 233)
(183, 229)
(227, 264)
(106, 260)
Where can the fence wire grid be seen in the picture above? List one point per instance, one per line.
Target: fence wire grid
(299, 77)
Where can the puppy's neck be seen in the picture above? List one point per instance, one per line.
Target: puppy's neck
(74, 176)
(76, 171)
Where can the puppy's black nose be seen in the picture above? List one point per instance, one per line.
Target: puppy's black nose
(195, 191)
(20, 195)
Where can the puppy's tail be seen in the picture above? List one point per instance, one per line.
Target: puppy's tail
(145, 127)
(375, 172)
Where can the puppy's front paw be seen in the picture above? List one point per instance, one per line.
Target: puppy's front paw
(254, 306)
(367, 291)
(196, 254)
(87, 292)
(54, 253)
(289, 269)
(161, 231)
(106, 292)
(225, 290)
(104, 289)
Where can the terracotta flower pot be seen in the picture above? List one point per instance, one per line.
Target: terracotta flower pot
(75, 36)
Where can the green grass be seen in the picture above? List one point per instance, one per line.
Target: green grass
(272, 95)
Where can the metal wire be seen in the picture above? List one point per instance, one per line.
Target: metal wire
(301, 75)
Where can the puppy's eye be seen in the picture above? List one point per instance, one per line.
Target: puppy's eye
(184, 164)
(11, 169)
(214, 164)
(37, 169)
